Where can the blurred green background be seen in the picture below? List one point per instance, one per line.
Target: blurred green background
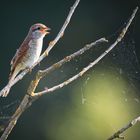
(110, 99)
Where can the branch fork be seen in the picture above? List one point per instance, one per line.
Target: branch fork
(32, 96)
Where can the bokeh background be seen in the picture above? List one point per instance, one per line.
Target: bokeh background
(98, 104)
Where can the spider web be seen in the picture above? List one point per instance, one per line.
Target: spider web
(123, 59)
(6, 112)
(124, 55)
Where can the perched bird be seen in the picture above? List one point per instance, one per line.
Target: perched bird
(28, 53)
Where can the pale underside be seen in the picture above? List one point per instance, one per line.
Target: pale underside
(26, 56)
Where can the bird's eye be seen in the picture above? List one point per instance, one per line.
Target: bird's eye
(38, 28)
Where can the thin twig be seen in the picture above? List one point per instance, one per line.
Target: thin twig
(120, 37)
(72, 56)
(46, 52)
(57, 65)
(120, 131)
(41, 73)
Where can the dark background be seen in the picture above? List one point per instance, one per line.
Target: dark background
(92, 20)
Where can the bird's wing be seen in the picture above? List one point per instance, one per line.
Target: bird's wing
(19, 54)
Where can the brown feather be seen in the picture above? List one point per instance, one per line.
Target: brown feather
(20, 53)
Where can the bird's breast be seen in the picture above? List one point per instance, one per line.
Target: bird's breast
(34, 51)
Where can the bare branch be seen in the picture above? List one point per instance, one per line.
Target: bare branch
(119, 132)
(46, 52)
(42, 73)
(31, 96)
(72, 56)
(120, 37)
(12, 122)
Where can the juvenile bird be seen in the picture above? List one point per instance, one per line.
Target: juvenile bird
(27, 54)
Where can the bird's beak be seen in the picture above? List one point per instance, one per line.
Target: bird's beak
(47, 29)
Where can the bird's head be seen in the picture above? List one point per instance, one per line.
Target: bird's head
(39, 30)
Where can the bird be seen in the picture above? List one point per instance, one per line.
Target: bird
(27, 54)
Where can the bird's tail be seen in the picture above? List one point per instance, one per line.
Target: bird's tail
(5, 91)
